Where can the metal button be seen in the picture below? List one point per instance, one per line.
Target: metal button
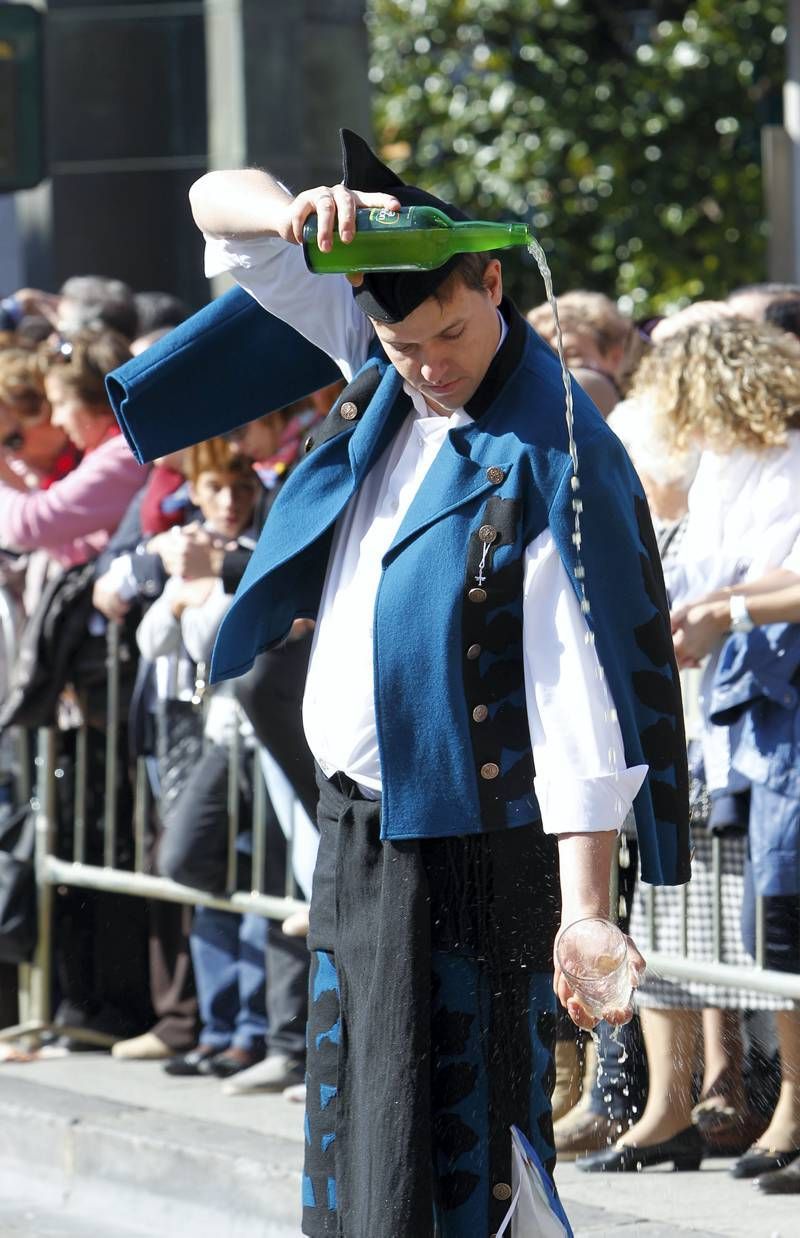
(495, 475)
(348, 411)
(480, 713)
(487, 533)
(308, 444)
(501, 1190)
(490, 771)
(477, 595)
(474, 652)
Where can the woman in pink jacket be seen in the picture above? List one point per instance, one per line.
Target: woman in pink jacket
(73, 519)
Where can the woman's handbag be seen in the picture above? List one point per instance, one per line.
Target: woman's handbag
(17, 886)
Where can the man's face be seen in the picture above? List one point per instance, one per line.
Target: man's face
(226, 500)
(443, 350)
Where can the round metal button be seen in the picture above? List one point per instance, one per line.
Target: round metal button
(480, 713)
(495, 475)
(348, 411)
(308, 444)
(501, 1190)
(490, 771)
(474, 652)
(487, 533)
(477, 595)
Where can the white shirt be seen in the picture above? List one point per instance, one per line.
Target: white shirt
(744, 520)
(581, 781)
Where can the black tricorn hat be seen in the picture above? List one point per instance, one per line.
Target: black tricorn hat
(390, 296)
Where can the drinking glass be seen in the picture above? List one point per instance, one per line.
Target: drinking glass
(593, 955)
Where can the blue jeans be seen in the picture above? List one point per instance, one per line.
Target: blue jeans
(228, 953)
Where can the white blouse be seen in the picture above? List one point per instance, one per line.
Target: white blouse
(744, 520)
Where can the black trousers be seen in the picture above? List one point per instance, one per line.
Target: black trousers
(194, 851)
(431, 1024)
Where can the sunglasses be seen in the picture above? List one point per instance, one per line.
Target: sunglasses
(13, 441)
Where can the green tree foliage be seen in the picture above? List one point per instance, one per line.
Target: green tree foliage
(627, 134)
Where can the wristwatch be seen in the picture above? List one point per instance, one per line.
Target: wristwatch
(740, 615)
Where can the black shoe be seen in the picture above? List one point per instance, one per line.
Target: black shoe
(784, 1181)
(685, 1150)
(762, 1161)
(195, 1062)
(232, 1061)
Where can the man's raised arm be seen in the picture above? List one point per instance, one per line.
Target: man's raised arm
(249, 203)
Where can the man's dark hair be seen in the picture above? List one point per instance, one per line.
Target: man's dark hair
(159, 309)
(785, 314)
(470, 269)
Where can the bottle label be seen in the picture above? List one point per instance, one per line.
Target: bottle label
(392, 219)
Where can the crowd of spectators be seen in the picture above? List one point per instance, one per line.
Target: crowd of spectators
(707, 401)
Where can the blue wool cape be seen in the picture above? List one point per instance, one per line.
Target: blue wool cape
(441, 649)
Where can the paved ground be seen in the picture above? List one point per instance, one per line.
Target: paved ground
(194, 1126)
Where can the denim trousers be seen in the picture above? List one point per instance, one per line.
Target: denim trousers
(228, 954)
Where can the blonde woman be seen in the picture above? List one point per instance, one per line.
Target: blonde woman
(598, 342)
(732, 388)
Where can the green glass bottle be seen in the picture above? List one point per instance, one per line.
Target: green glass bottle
(415, 238)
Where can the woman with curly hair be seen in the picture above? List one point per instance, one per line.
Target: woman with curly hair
(731, 388)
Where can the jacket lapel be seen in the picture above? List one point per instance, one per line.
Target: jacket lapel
(453, 479)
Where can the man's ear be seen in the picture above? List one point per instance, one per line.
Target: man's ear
(493, 281)
(190, 486)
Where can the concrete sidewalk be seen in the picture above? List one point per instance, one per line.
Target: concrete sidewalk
(94, 1147)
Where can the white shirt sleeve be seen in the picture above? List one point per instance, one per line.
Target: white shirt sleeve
(199, 624)
(582, 783)
(320, 307)
(159, 633)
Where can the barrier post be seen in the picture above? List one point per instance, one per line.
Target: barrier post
(112, 746)
(40, 991)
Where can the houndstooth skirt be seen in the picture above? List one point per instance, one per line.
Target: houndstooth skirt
(660, 906)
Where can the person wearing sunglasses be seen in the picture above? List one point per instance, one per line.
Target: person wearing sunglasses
(73, 516)
(41, 451)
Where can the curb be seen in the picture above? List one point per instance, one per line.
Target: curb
(143, 1170)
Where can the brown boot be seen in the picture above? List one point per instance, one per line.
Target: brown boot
(567, 1090)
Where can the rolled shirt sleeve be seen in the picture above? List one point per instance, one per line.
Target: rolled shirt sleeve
(319, 307)
(582, 782)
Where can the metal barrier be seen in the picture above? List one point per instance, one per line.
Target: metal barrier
(51, 871)
(35, 979)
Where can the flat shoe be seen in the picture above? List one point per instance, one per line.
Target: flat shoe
(784, 1181)
(760, 1161)
(685, 1150)
(195, 1062)
(276, 1072)
(231, 1062)
(145, 1048)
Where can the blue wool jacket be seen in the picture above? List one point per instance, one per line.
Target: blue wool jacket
(445, 645)
(755, 693)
